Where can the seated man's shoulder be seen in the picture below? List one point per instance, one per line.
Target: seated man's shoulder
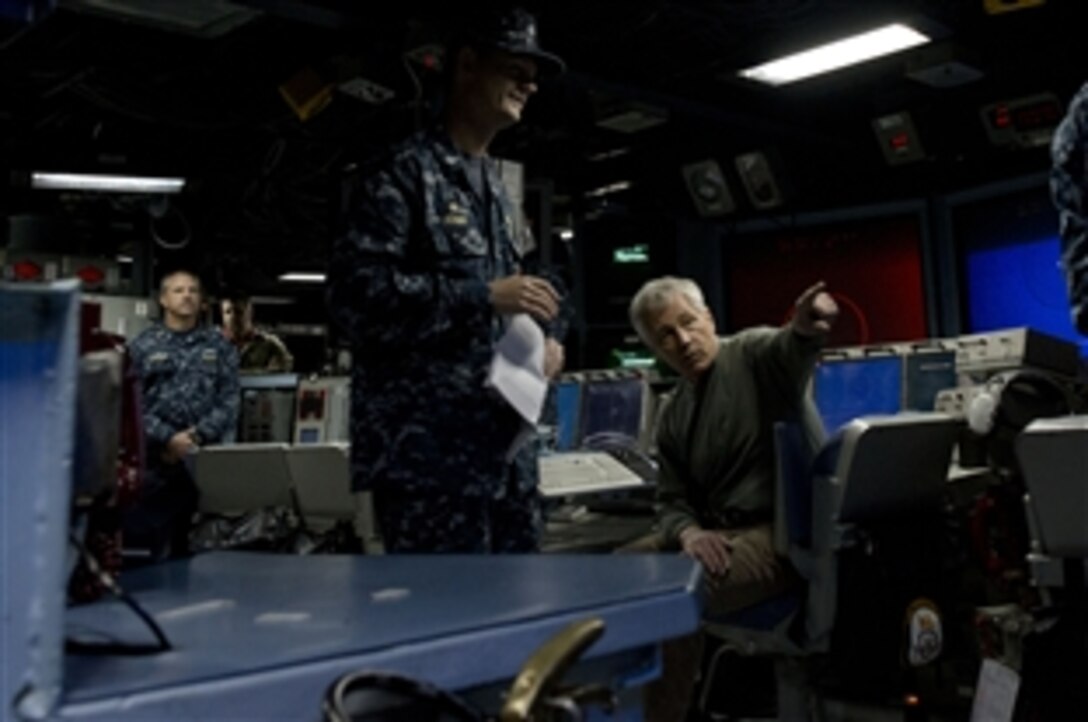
(271, 339)
(753, 333)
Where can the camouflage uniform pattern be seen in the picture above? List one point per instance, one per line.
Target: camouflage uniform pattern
(409, 286)
(461, 524)
(187, 379)
(262, 351)
(1068, 186)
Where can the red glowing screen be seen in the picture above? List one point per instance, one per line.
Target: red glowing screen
(873, 268)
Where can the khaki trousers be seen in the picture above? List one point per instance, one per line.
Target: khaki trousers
(756, 573)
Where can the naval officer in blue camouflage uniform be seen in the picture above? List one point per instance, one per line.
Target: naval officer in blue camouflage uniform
(1069, 189)
(189, 382)
(421, 278)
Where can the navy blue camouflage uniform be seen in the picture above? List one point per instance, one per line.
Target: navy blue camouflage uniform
(188, 379)
(409, 286)
(1068, 187)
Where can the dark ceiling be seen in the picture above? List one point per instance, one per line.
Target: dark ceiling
(193, 87)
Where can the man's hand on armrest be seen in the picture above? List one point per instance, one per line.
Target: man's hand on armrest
(709, 548)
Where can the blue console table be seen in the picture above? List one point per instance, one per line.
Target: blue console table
(261, 636)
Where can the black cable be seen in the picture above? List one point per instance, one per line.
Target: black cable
(107, 581)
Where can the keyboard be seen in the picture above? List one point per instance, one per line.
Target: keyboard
(584, 472)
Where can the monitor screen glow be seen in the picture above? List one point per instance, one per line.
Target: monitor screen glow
(847, 389)
(612, 411)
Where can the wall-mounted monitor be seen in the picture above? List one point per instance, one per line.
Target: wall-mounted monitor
(1009, 270)
(872, 267)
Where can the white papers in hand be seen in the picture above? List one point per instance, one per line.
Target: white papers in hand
(517, 368)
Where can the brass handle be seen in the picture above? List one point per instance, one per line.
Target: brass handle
(547, 665)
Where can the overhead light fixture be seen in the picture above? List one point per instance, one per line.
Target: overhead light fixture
(566, 234)
(608, 154)
(608, 189)
(302, 277)
(627, 116)
(835, 55)
(105, 183)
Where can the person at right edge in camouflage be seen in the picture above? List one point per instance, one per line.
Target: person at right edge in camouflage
(1069, 190)
(421, 277)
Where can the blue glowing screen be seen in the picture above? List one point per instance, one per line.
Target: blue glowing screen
(847, 389)
(1019, 284)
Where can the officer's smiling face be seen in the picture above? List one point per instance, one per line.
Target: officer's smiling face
(503, 84)
(180, 297)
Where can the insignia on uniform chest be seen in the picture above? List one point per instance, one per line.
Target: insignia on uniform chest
(455, 215)
(208, 354)
(158, 357)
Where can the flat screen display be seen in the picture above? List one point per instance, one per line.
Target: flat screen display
(1010, 271)
(872, 267)
(847, 389)
(568, 398)
(612, 411)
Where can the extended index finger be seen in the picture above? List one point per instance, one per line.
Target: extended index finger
(806, 298)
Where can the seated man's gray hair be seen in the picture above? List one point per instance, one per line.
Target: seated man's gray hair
(655, 294)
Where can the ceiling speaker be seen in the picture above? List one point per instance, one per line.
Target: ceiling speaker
(708, 188)
(759, 181)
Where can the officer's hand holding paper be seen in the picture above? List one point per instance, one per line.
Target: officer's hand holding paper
(517, 373)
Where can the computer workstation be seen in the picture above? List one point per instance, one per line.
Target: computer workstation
(881, 380)
(263, 636)
(291, 457)
(598, 482)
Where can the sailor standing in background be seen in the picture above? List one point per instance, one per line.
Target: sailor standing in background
(189, 383)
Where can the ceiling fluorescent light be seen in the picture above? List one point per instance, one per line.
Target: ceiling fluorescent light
(303, 277)
(839, 54)
(608, 189)
(105, 183)
(608, 154)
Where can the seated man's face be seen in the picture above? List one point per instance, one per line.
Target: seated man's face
(684, 336)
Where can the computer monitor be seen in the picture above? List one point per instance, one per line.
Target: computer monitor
(612, 411)
(873, 267)
(267, 409)
(568, 406)
(926, 375)
(845, 389)
(1009, 262)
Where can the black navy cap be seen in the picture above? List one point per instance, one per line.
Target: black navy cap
(513, 31)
